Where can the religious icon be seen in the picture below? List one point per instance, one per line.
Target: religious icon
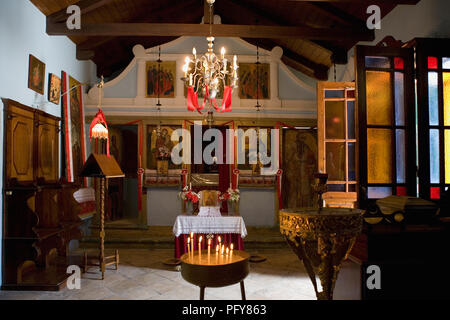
(161, 79)
(299, 167)
(159, 146)
(54, 88)
(254, 81)
(36, 74)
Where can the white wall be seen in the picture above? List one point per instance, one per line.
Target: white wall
(22, 32)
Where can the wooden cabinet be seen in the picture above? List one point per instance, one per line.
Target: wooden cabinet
(40, 214)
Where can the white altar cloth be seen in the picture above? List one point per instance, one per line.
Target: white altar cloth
(215, 225)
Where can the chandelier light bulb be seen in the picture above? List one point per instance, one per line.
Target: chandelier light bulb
(222, 52)
(194, 52)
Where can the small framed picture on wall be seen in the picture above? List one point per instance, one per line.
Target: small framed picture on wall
(36, 74)
(54, 88)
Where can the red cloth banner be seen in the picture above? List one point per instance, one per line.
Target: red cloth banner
(192, 100)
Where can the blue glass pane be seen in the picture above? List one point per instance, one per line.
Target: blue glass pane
(433, 98)
(351, 119)
(399, 99)
(378, 62)
(401, 155)
(334, 93)
(446, 63)
(351, 162)
(434, 156)
(378, 192)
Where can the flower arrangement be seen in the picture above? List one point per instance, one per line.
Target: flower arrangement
(230, 195)
(188, 195)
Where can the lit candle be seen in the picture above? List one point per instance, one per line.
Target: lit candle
(189, 246)
(227, 252)
(194, 52)
(190, 79)
(222, 52)
(219, 240)
(231, 252)
(209, 250)
(217, 253)
(235, 62)
(200, 249)
(192, 244)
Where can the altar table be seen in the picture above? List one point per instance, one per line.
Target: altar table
(231, 229)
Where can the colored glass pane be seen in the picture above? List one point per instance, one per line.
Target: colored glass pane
(335, 119)
(399, 63)
(435, 193)
(434, 156)
(351, 119)
(334, 93)
(400, 145)
(432, 63)
(379, 98)
(378, 62)
(433, 110)
(351, 162)
(399, 99)
(350, 94)
(402, 191)
(446, 92)
(379, 155)
(445, 63)
(378, 192)
(447, 155)
(335, 161)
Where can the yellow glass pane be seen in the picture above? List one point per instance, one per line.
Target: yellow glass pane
(446, 87)
(379, 98)
(335, 119)
(379, 156)
(447, 156)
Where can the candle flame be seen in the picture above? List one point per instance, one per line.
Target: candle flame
(231, 246)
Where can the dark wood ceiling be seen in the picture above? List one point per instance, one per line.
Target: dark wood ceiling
(312, 34)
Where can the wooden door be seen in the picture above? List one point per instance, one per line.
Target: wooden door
(337, 141)
(47, 144)
(19, 142)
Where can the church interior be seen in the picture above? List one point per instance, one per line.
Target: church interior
(224, 149)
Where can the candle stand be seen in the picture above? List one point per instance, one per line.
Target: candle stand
(215, 270)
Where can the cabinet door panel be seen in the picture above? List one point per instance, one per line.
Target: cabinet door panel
(19, 145)
(47, 149)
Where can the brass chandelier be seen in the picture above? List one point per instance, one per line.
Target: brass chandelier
(209, 73)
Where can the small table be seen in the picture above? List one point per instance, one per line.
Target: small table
(230, 228)
(215, 271)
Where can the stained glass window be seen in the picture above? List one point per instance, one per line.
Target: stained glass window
(377, 62)
(335, 119)
(400, 145)
(399, 99)
(378, 192)
(432, 63)
(434, 156)
(379, 98)
(445, 63)
(446, 93)
(399, 63)
(379, 155)
(433, 98)
(447, 155)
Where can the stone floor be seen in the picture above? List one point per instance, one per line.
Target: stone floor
(142, 275)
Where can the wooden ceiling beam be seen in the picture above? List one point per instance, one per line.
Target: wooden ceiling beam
(336, 14)
(85, 7)
(87, 48)
(221, 30)
(243, 9)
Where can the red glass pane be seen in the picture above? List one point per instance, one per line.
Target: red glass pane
(350, 94)
(399, 63)
(432, 63)
(435, 192)
(402, 191)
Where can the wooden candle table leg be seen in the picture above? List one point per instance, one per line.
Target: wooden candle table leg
(202, 293)
(242, 290)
